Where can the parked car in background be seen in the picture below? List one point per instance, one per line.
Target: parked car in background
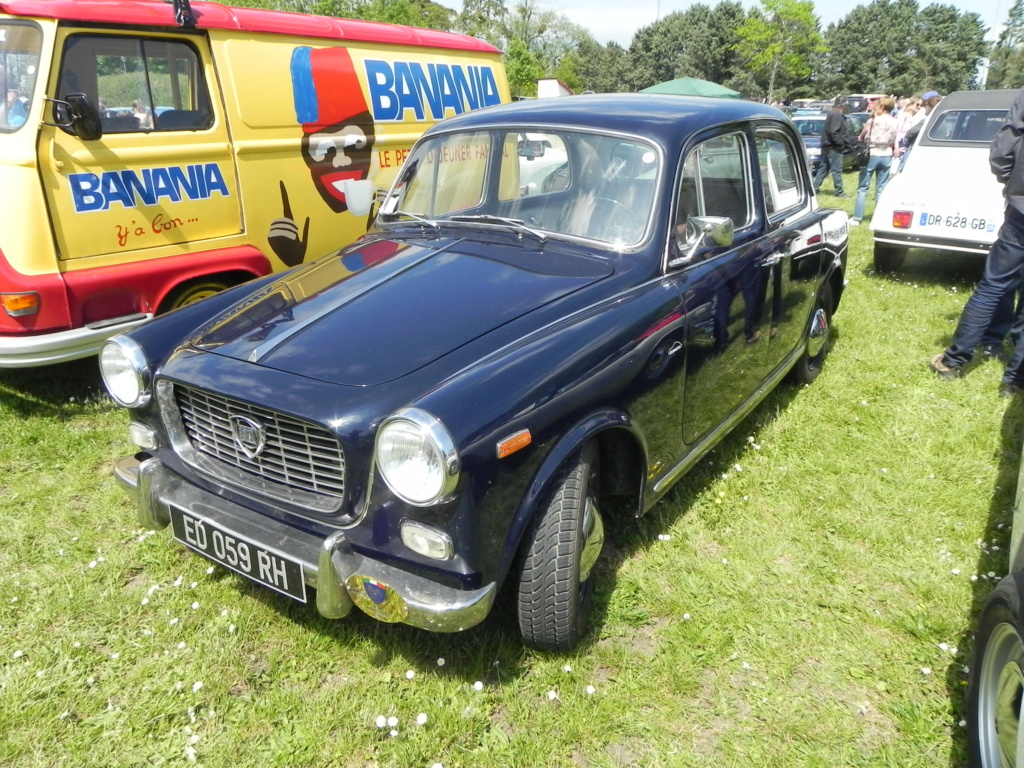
(995, 687)
(945, 198)
(449, 405)
(810, 128)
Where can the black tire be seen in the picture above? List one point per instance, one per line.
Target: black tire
(554, 597)
(889, 258)
(996, 685)
(819, 340)
(193, 291)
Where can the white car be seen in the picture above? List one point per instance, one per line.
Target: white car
(946, 197)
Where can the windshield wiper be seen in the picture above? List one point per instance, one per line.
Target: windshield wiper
(485, 218)
(423, 221)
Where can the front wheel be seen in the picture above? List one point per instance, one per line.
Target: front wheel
(559, 552)
(819, 339)
(996, 686)
(889, 258)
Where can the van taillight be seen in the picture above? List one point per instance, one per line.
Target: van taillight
(20, 304)
(902, 219)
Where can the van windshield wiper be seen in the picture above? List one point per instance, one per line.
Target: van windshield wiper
(421, 220)
(485, 218)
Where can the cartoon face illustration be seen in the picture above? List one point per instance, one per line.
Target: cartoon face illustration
(338, 130)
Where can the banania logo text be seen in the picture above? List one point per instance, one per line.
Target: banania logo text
(433, 90)
(146, 187)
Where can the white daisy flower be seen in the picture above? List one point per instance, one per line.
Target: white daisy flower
(440, 662)
(196, 686)
(591, 690)
(381, 721)
(552, 695)
(478, 686)
(409, 675)
(421, 718)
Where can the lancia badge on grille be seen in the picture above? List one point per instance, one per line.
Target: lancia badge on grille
(249, 435)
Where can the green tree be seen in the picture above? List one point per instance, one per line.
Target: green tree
(779, 42)
(871, 50)
(951, 46)
(482, 18)
(602, 69)
(1006, 67)
(523, 70)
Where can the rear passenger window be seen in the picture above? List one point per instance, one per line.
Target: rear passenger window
(138, 84)
(780, 180)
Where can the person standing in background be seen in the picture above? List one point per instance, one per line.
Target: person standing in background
(835, 140)
(880, 135)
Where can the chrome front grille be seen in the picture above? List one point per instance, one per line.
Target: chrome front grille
(297, 458)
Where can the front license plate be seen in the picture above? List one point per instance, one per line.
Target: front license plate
(260, 564)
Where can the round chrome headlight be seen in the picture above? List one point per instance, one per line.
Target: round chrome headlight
(416, 457)
(125, 372)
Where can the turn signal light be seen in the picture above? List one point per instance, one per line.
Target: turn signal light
(902, 219)
(20, 304)
(514, 443)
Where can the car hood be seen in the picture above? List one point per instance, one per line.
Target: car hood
(385, 308)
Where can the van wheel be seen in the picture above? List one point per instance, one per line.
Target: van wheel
(561, 546)
(193, 291)
(819, 340)
(889, 258)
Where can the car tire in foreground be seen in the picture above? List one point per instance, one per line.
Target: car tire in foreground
(889, 258)
(560, 548)
(996, 687)
(819, 339)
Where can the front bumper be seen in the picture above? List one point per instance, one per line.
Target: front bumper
(330, 565)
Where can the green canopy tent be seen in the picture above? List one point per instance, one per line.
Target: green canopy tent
(693, 86)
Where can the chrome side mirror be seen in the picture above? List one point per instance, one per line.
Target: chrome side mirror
(704, 230)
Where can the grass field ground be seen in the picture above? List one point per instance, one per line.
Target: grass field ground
(804, 597)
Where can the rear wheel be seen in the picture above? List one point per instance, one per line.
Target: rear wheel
(193, 291)
(819, 339)
(559, 552)
(996, 687)
(889, 258)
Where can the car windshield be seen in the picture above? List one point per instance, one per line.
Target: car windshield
(809, 127)
(566, 183)
(20, 43)
(967, 125)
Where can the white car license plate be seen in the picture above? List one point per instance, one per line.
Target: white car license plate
(956, 221)
(260, 564)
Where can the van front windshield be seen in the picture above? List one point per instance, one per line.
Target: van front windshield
(20, 43)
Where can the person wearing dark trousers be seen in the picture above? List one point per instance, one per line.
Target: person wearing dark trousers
(1003, 266)
(835, 140)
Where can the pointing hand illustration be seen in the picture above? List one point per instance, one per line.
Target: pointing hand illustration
(284, 234)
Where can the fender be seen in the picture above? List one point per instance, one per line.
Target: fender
(591, 425)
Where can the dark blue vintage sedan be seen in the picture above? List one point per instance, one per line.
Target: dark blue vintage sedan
(561, 301)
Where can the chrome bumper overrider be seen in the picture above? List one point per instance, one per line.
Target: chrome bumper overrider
(330, 565)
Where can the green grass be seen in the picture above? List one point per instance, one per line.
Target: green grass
(807, 583)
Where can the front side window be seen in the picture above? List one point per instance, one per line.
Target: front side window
(20, 43)
(715, 182)
(568, 183)
(138, 84)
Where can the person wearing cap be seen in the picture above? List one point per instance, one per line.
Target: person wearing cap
(1003, 265)
(835, 140)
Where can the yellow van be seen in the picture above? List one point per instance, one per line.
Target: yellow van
(152, 154)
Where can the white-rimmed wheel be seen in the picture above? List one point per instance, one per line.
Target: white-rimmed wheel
(996, 688)
(560, 549)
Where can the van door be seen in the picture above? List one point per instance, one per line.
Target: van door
(162, 174)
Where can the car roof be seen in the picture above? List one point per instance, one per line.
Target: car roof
(666, 119)
(1001, 99)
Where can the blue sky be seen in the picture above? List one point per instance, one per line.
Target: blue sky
(607, 20)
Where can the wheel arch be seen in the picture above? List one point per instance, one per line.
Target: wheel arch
(623, 451)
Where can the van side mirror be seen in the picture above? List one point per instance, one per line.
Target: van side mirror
(77, 113)
(704, 230)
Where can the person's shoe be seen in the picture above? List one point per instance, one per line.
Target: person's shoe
(840, 194)
(944, 371)
(854, 222)
(1010, 389)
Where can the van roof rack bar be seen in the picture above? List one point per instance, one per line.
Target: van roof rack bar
(183, 14)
